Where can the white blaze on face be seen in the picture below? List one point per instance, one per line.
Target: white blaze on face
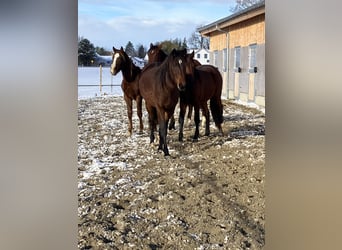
(115, 58)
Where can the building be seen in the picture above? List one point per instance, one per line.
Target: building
(201, 55)
(243, 33)
(107, 61)
(102, 60)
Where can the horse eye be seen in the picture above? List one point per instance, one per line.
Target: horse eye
(180, 61)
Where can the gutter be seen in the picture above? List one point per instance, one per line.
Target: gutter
(227, 54)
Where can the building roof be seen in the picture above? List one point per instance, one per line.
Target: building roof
(198, 50)
(249, 12)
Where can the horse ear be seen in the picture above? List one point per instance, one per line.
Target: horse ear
(114, 49)
(151, 45)
(121, 48)
(173, 52)
(192, 54)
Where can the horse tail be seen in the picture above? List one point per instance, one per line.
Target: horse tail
(216, 109)
(216, 106)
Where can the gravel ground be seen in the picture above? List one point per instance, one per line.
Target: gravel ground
(207, 195)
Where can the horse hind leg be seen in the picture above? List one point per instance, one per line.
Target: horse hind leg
(172, 123)
(206, 116)
(151, 122)
(139, 112)
(197, 121)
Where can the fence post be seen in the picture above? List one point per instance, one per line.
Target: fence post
(111, 83)
(100, 78)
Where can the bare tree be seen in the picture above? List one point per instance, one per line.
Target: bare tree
(197, 41)
(243, 4)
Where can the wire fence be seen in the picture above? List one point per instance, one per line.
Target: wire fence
(95, 81)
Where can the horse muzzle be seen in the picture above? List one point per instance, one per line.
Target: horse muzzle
(114, 71)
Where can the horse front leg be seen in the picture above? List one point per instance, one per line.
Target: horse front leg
(182, 111)
(190, 107)
(139, 112)
(151, 121)
(163, 118)
(197, 121)
(162, 137)
(129, 113)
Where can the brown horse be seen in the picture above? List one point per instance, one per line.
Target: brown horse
(156, 54)
(204, 83)
(131, 73)
(160, 84)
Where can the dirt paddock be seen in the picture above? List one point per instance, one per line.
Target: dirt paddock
(207, 195)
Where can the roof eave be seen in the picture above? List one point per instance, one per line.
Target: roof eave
(224, 23)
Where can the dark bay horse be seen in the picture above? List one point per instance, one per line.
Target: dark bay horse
(131, 73)
(159, 85)
(156, 54)
(204, 83)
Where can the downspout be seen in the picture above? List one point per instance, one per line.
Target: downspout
(227, 41)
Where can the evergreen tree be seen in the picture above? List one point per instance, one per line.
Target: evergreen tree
(103, 52)
(129, 49)
(184, 44)
(141, 52)
(86, 52)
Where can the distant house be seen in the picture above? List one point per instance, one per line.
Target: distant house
(201, 55)
(237, 49)
(102, 60)
(139, 62)
(107, 61)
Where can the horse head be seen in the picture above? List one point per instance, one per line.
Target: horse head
(155, 53)
(190, 64)
(118, 59)
(178, 67)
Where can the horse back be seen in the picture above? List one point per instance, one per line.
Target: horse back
(209, 77)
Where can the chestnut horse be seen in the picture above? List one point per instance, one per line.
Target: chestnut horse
(156, 54)
(129, 85)
(204, 83)
(159, 85)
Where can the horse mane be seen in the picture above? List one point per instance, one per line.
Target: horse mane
(165, 65)
(164, 68)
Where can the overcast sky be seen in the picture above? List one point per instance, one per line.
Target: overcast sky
(108, 23)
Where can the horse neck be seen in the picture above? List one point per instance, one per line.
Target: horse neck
(161, 56)
(130, 71)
